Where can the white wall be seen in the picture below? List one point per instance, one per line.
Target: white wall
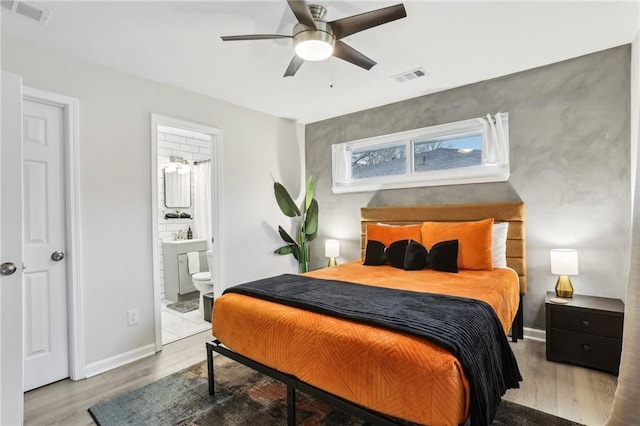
(115, 187)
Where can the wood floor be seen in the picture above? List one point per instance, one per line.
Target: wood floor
(66, 402)
(571, 392)
(567, 391)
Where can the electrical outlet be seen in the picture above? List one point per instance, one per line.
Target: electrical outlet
(134, 316)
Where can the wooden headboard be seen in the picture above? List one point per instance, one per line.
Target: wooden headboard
(512, 212)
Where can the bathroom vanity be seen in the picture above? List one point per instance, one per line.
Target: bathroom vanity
(177, 279)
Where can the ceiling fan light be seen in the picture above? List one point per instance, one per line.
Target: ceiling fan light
(313, 44)
(314, 50)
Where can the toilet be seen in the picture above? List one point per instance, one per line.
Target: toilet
(203, 281)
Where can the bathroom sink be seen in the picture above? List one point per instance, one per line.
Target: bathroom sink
(195, 240)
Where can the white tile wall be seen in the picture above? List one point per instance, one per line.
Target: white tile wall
(195, 148)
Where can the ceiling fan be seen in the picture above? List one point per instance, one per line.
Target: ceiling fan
(315, 39)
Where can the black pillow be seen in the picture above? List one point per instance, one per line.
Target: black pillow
(395, 253)
(374, 253)
(415, 256)
(443, 256)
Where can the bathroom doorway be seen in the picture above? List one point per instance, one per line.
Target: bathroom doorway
(186, 160)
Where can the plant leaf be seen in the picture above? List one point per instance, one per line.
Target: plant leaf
(313, 236)
(285, 236)
(289, 249)
(284, 200)
(311, 220)
(309, 194)
(283, 250)
(295, 250)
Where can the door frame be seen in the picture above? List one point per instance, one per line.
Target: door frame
(75, 306)
(216, 210)
(11, 352)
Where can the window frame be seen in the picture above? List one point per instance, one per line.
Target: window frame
(342, 181)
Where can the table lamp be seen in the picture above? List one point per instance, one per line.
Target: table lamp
(332, 250)
(564, 262)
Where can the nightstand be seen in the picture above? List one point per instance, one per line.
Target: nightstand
(586, 331)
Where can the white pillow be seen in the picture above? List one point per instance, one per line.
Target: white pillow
(499, 244)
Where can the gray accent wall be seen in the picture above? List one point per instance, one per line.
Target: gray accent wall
(569, 126)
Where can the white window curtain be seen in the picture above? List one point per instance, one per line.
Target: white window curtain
(494, 141)
(202, 202)
(341, 160)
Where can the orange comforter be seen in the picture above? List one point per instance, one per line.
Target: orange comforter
(393, 373)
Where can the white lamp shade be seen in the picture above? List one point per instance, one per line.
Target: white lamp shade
(314, 50)
(332, 248)
(564, 261)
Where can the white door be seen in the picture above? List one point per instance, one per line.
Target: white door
(46, 335)
(11, 399)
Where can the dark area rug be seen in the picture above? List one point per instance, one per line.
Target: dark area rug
(246, 397)
(185, 306)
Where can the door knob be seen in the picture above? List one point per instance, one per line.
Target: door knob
(57, 256)
(7, 268)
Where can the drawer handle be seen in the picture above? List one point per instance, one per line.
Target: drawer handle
(586, 323)
(586, 347)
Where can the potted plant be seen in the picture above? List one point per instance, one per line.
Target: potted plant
(307, 227)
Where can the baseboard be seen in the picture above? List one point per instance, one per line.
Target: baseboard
(534, 334)
(107, 364)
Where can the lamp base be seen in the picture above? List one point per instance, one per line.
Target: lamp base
(332, 262)
(564, 287)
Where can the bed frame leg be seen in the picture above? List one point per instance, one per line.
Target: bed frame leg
(291, 405)
(520, 320)
(517, 327)
(212, 388)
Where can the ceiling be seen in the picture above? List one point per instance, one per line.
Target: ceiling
(457, 43)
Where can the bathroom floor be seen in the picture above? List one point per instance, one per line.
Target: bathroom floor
(176, 326)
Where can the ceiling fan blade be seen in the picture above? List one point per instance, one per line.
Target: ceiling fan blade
(302, 12)
(349, 54)
(293, 67)
(356, 23)
(254, 37)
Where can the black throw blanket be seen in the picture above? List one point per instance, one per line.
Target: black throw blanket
(468, 328)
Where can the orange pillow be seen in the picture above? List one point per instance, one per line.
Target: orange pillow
(474, 241)
(387, 234)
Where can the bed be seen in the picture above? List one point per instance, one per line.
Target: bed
(363, 369)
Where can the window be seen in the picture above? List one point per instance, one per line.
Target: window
(468, 151)
(384, 161)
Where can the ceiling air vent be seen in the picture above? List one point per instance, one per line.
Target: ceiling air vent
(409, 75)
(27, 10)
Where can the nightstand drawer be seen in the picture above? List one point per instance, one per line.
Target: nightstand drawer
(586, 322)
(586, 349)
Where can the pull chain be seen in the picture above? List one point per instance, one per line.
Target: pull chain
(331, 72)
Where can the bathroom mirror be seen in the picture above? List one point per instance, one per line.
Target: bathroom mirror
(177, 187)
